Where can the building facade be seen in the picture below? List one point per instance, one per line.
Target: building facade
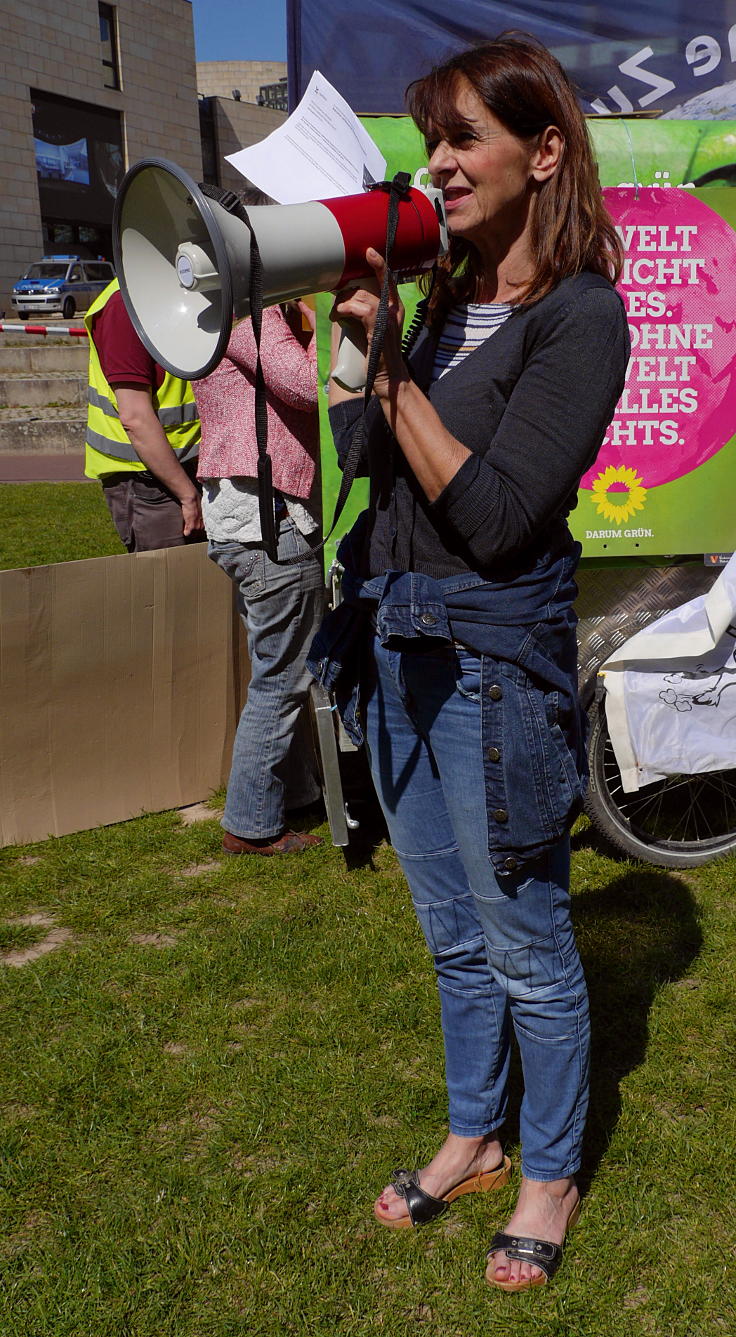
(222, 78)
(87, 89)
(228, 125)
(233, 112)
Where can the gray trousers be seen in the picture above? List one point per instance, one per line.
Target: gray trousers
(144, 512)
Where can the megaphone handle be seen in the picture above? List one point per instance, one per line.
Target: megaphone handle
(349, 372)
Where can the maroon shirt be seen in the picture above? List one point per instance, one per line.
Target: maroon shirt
(123, 357)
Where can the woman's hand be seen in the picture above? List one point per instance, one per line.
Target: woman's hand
(360, 306)
(432, 453)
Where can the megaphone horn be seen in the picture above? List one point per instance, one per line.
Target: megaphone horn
(183, 261)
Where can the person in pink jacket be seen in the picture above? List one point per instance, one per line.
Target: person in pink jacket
(273, 769)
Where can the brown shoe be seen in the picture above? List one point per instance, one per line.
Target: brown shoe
(291, 842)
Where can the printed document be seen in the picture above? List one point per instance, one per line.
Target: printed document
(320, 152)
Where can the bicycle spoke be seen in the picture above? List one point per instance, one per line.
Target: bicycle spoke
(680, 810)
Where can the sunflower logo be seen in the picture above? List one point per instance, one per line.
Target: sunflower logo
(618, 493)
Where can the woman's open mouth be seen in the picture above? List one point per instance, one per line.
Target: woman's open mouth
(455, 196)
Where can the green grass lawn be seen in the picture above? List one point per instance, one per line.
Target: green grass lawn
(204, 1086)
(54, 522)
(217, 1064)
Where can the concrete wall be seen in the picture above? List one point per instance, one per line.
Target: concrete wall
(54, 45)
(238, 124)
(218, 78)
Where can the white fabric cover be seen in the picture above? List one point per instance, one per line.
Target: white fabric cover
(671, 690)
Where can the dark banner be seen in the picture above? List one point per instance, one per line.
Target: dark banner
(663, 57)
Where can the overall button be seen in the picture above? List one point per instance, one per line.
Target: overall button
(428, 619)
(495, 692)
(511, 864)
(493, 754)
(500, 814)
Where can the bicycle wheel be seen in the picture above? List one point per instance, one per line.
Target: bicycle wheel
(679, 822)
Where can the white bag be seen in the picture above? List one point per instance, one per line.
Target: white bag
(671, 690)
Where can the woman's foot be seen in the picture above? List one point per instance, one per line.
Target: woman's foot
(459, 1158)
(542, 1212)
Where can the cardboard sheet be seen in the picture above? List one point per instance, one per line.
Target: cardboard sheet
(121, 683)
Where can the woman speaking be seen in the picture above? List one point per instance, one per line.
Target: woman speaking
(454, 653)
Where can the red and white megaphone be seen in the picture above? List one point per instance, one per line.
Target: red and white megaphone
(183, 260)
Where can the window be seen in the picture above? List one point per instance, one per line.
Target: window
(274, 95)
(99, 273)
(77, 192)
(109, 45)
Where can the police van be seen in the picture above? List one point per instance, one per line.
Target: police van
(64, 283)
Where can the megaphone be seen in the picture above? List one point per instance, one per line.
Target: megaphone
(183, 260)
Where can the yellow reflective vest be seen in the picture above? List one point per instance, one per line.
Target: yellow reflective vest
(108, 448)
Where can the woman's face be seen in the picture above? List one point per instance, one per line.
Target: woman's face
(485, 172)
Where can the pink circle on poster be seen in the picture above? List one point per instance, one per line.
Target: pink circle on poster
(679, 287)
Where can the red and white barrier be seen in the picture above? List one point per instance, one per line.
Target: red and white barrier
(11, 326)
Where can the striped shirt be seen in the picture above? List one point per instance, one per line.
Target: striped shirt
(468, 325)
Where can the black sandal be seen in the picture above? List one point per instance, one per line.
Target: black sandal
(423, 1207)
(525, 1249)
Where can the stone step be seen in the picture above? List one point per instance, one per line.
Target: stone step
(41, 391)
(60, 432)
(42, 359)
(19, 339)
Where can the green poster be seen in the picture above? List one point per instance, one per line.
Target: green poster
(664, 480)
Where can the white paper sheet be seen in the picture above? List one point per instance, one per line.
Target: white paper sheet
(320, 152)
(671, 691)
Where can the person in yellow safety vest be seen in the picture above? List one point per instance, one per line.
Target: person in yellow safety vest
(142, 434)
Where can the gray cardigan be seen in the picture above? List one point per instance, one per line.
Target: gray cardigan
(532, 404)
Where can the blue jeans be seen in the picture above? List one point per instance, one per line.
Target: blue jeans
(273, 763)
(504, 949)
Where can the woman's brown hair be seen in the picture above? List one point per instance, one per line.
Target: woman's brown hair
(524, 86)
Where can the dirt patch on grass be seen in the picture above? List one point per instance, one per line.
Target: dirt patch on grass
(383, 1121)
(248, 1165)
(55, 937)
(200, 869)
(159, 939)
(636, 1298)
(28, 859)
(176, 1050)
(32, 1226)
(14, 1112)
(199, 812)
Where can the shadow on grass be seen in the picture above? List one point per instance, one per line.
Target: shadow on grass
(634, 935)
(587, 838)
(637, 933)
